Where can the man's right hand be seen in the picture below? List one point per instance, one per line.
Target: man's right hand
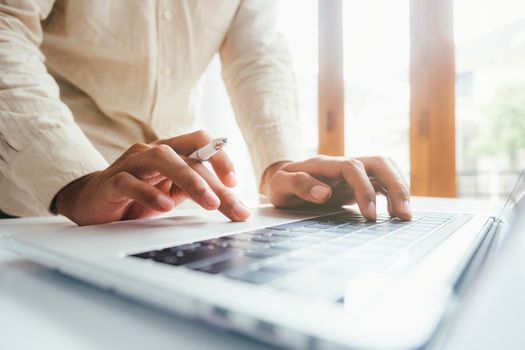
(149, 179)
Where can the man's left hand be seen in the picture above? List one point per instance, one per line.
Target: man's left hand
(336, 181)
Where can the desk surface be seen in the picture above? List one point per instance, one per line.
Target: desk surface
(41, 308)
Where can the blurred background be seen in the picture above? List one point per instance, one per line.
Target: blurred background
(379, 52)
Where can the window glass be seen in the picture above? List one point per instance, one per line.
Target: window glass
(297, 21)
(376, 61)
(490, 95)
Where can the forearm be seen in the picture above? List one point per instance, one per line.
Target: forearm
(41, 147)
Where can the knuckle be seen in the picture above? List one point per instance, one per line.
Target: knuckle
(320, 158)
(225, 194)
(137, 147)
(194, 164)
(202, 135)
(120, 179)
(400, 188)
(299, 178)
(381, 159)
(369, 196)
(354, 163)
(162, 151)
(194, 183)
(227, 164)
(403, 187)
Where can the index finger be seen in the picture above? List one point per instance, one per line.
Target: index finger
(188, 143)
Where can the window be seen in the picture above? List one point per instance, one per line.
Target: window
(297, 21)
(382, 114)
(490, 95)
(376, 60)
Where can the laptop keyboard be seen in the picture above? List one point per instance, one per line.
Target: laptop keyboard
(312, 256)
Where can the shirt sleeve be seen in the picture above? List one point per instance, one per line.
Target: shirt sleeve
(257, 71)
(42, 149)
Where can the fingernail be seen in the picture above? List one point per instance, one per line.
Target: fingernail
(211, 198)
(371, 210)
(319, 192)
(240, 211)
(406, 207)
(230, 179)
(164, 201)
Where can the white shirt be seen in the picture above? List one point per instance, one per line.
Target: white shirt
(83, 80)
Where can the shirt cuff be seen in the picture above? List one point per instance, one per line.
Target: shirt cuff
(52, 161)
(274, 143)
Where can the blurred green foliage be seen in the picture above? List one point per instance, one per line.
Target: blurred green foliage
(503, 132)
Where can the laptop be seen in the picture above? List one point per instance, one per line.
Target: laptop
(296, 279)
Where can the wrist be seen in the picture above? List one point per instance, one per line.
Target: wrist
(65, 199)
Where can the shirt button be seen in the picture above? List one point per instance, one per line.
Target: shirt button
(166, 71)
(167, 15)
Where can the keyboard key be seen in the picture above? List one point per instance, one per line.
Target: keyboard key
(213, 259)
(309, 239)
(264, 253)
(331, 247)
(444, 215)
(353, 240)
(414, 232)
(289, 234)
(361, 256)
(371, 232)
(242, 245)
(294, 263)
(433, 220)
(397, 223)
(291, 245)
(270, 239)
(344, 230)
(322, 226)
(306, 229)
(424, 227)
(238, 263)
(258, 277)
(280, 269)
(310, 254)
(182, 257)
(216, 242)
(354, 224)
(242, 236)
(381, 228)
(383, 248)
(400, 237)
(325, 235)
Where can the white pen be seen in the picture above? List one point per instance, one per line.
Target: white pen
(204, 153)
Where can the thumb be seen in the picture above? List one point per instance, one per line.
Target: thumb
(294, 188)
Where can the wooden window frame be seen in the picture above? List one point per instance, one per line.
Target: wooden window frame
(331, 79)
(432, 92)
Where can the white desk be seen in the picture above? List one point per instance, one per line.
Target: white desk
(42, 309)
